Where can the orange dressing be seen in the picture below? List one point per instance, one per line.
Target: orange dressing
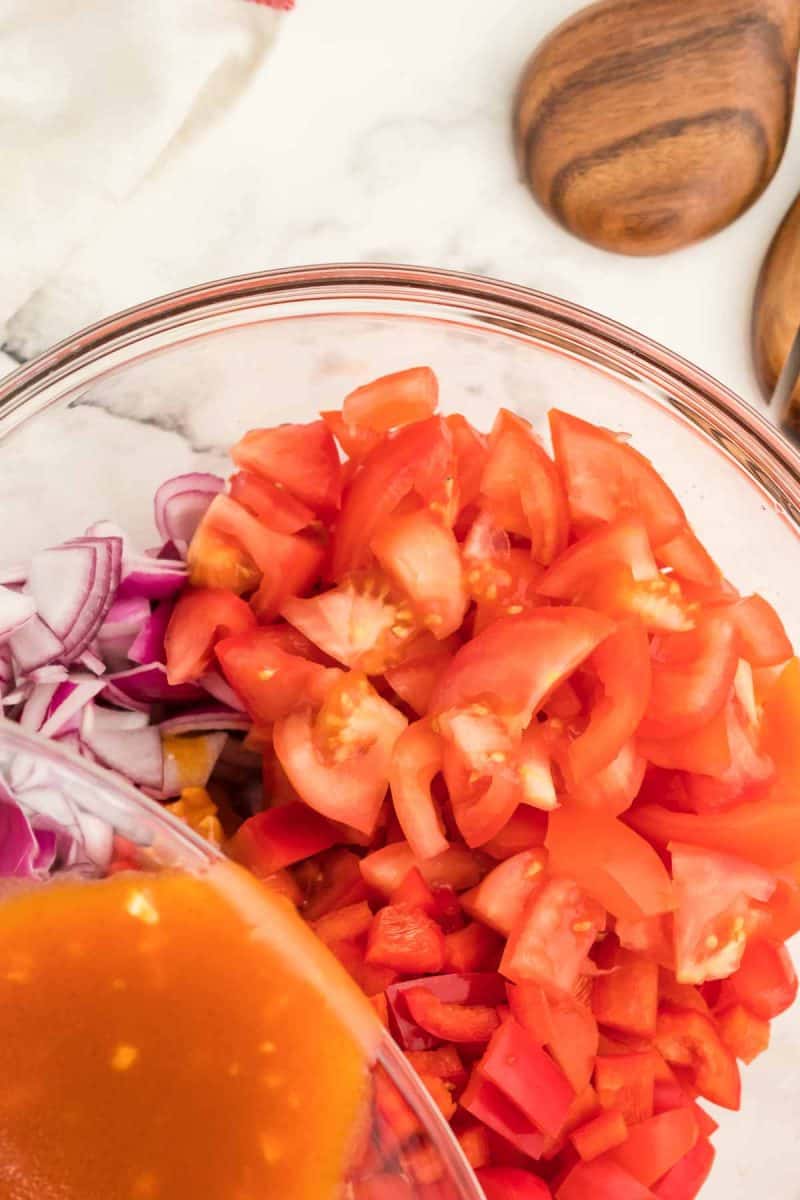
(166, 1037)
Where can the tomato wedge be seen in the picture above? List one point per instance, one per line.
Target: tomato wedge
(302, 458)
(624, 542)
(693, 675)
(416, 759)
(764, 831)
(392, 400)
(269, 680)
(200, 619)
(760, 634)
(272, 504)
(500, 897)
(422, 556)
(552, 936)
(766, 982)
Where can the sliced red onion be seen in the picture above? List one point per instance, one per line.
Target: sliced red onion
(19, 849)
(15, 609)
(6, 671)
(109, 570)
(147, 684)
(66, 705)
(35, 709)
(92, 662)
(151, 577)
(13, 574)
(135, 752)
(181, 503)
(206, 718)
(218, 687)
(52, 673)
(195, 769)
(167, 550)
(47, 848)
(148, 646)
(108, 529)
(73, 587)
(33, 645)
(123, 623)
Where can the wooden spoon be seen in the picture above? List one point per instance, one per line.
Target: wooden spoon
(776, 314)
(643, 125)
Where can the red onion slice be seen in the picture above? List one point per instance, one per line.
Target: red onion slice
(206, 718)
(67, 704)
(213, 683)
(123, 624)
(35, 708)
(13, 574)
(52, 673)
(6, 671)
(19, 849)
(15, 609)
(148, 645)
(180, 504)
(73, 587)
(151, 577)
(147, 684)
(135, 752)
(33, 645)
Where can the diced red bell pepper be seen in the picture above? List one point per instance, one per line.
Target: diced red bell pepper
(574, 1039)
(745, 1034)
(444, 1062)
(600, 1134)
(602, 1179)
(527, 1074)
(441, 1093)
(627, 997)
(405, 939)
(766, 981)
(281, 836)
(686, 1178)
(474, 1143)
(625, 1082)
(512, 1183)
(473, 948)
(333, 880)
(654, 1146)
(450, 1022)
(529, 1005)
(383, 1187)
(344, 924)
(484, 989)
(689, 1039)
(491, 1106)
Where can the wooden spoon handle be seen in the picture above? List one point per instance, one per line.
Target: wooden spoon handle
(776, 315)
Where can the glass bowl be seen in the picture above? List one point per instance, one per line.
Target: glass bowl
(89, 429)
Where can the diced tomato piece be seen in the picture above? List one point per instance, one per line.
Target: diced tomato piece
(471, 449)
(345, 924)
(779, 733)
(525, 830)
(270, 681)
(613, 789)
(624, 542)
(760, 634)
(528, 1076)
(329, 881)
(272, 504)
(361, 622)
(713, 912)
(779, 918)
(517, 661)
(490, 1105)
(686, 1178)
(385, 869)
(618, 869)
(450, 1022)
(599, 1135)
(766, 981)
(627, 997)
(706, 751)
(302, 458)
(659, 603)
(745, 1034)
(512, 1183)
(409, 459)
(522, 488)
(602, 1179)
(393, 400)
(356, 441)
(625, 1082)
(654, 1146)
(689, 1039)
(500, 897)
(415, 677)
(473, 948)
(686, 555)
(407, 940)
(416, 759)
(422, 556)
(217, 561)
(200, 619)
(606, 478)
(552, 936)
(692, 678)
(281, 836)
(414, 891)
(444, 1062)
(764, 831)
(622, 663)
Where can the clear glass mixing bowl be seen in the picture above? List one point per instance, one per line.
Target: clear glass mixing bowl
(90, 429)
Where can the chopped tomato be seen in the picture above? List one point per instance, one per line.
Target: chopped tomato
(522, 489)
(625, 1082)
(330, 881)
(302, 458)
(766, 981)
(471, 449)
(393, 400)
(599, 1135)
(612, 789)
(409, 459)
(270, 681)
(622, 663)
(447, 1021)
(693, 676)
(416, 759)
(623, 542)
(415, 678)
(606, 478)
(552, 936)
(407, 940)
(764, 831)
(686, 555)
(500, 897)
(760, 635)
(356, 441)
(271, 503)
(614, 865)
(281, 836)
(602, 1179)
(511, 1183)
(385, 869)
(654, 1146)
(516, 1064)
(474, 1143)
(745, 1034)
(626, 998)
(689, 1039)
(216, 561)
(473, 948)
(422, 556)
(200, 619)
(350, 923)
(659, 603)
(779, 730)
(713, 914)
(525, 830)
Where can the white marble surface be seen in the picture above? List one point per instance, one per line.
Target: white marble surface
(379, 131)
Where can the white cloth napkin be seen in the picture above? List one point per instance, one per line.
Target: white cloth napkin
(94, 97)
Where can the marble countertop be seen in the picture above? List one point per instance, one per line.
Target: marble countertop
(379, 131)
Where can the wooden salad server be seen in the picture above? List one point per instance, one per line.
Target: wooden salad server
(776, 323)
(644, 125)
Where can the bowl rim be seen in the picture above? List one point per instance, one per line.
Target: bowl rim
(735, 424)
